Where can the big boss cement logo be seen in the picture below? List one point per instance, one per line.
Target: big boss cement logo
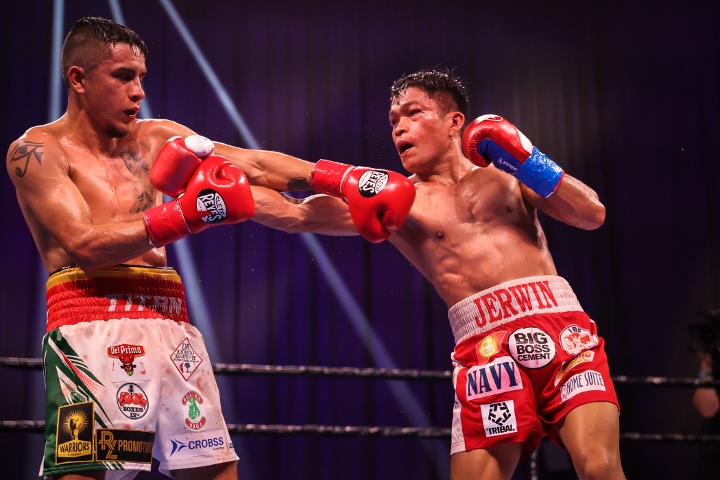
(208, 200)
(499, 418)
(575, 339)
(531, 347)
(132, 401)
(372, 182)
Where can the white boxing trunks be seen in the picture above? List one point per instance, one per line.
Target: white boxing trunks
(127, 378)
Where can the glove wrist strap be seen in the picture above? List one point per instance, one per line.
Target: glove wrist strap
(165, 224)
(328, 176)
(540, 173)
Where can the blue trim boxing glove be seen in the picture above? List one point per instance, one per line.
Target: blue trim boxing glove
(492, 139)
(540, 173)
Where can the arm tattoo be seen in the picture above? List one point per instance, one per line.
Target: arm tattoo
(299, 183)
(22, 153)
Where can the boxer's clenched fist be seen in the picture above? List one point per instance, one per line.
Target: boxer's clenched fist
(379, 200)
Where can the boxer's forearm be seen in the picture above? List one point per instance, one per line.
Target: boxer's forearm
(573, 203)
(265, 168)
(99, 246)
(317, 214)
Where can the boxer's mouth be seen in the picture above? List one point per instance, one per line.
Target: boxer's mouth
(403, 146)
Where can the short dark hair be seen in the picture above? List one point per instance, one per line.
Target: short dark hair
(87, 41)
(433, 81)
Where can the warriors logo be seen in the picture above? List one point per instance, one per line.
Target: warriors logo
(75, 433)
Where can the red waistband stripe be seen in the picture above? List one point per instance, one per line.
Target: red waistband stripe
(77, 298)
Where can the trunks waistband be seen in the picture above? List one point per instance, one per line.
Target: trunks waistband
(121, 292)
(506, 302)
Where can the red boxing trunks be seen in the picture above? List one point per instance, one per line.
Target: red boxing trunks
(526, 354)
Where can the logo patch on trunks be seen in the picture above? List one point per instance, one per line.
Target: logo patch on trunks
(575, 339)
(583, 357)
(501, 375)
(198, 443)
(195, 420)
(499, 418)
(531, 347)
(122, 359)
(120, 445)
(489, 346)
(132, 401)
(74, 435)
(586, 381)
(185, 358)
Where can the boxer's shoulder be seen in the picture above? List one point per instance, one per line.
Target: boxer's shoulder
(40, 144)
(153, 133)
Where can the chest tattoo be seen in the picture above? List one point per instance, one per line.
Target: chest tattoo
(141, 188)
(21, 155)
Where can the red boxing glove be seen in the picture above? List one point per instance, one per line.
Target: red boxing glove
(379, 200)
(217, 194)
(177, 162)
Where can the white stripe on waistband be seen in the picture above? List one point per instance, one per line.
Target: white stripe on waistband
(509, 301)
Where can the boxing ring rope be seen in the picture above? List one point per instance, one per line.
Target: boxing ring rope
(374, 431)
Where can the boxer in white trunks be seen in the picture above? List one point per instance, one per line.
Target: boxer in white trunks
(127, 376)
(528, 361)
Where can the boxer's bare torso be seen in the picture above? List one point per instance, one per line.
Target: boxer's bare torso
(471, 228)
(470, 233)
(111, 175)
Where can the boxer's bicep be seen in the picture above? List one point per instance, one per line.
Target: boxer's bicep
(43, 185)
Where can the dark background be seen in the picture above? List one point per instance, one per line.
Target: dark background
(623, 95)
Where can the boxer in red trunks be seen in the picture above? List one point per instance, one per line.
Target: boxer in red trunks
(528, 360)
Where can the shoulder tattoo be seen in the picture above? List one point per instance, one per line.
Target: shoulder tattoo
(21, 155)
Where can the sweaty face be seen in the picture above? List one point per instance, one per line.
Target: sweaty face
(420, 129)
(113, 90)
